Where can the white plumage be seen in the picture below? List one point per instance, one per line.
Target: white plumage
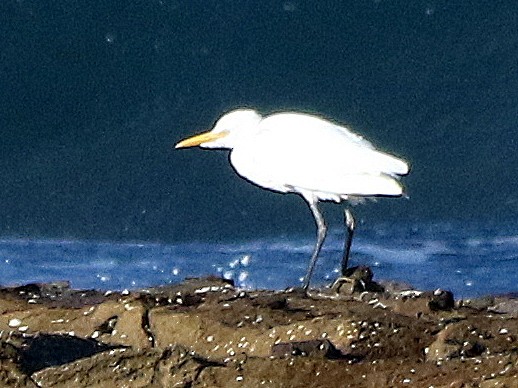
(304, 154)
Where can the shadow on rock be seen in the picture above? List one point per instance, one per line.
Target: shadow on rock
(45, 350)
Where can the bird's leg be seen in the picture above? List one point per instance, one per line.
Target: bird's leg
(321, 235)
(349, 224)
(348, 276)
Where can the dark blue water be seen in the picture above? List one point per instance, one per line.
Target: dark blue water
(468, 259)
(95, 93)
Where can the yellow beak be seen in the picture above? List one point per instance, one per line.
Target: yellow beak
(196, 140)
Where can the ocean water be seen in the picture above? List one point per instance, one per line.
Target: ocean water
(467, 258)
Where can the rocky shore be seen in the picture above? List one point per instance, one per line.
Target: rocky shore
(207, 333)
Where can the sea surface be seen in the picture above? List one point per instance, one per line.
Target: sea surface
(470, 259)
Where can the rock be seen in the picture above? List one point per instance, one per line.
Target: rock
(171, 367)
(480, 304)
(505, 306)
(204, 332)
(441, 300)
(312, 348)
(454, 341)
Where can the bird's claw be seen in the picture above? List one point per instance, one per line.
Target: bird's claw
(356, 284)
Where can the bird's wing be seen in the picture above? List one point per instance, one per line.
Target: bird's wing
(293, 152)
(306, 122)
(326, 144)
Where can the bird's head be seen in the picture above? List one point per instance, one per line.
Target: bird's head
(227, 132)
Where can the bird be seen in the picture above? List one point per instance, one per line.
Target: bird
(305, 154)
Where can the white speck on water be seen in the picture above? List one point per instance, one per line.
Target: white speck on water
(104, 258)
(109, 38)
(503, 331)
(242, 276)
(289, 6)
(245, 260)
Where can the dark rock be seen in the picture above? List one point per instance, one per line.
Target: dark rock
(472, 349)
(441, 300)
(275, 301)
(312, 348)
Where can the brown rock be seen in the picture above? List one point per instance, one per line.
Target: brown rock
(206, 333)
(311, 348)
(170, 367)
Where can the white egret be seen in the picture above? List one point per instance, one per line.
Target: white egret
(300, 153)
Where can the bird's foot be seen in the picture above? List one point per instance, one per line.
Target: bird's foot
(352, 285)
(356, 279)
(297, 291)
